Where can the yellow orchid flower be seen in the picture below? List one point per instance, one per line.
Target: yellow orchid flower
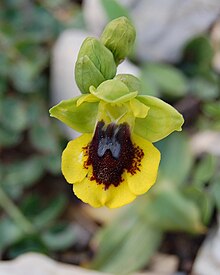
(114, 160)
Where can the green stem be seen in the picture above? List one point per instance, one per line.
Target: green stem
(14, 212)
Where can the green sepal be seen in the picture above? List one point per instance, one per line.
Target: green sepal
(95, 63)
(161, 120)
(113, 91)
(81, 118)
(131, 81)
(119, 36)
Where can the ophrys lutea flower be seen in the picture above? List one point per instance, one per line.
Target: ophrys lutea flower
(114, 160)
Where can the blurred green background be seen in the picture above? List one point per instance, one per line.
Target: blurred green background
(38, 210)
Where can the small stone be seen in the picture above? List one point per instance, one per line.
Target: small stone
(205, 142)
(207, 261)
(164, 264)
(38, 264)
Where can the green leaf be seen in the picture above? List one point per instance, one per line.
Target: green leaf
(148, 86)
(129, 239)
(81, 118)
(43, 138)
(43, 213)
(204, 171)
(23, 76)
(10, 233)
(31, 205)
(198, 55)
(4, 65)
(203, 200)
(111, 237)
(167, 79)
(212, 109)
(60, 237)
(3, 86)
(37, 54)
(170, 210)
(215, 191)
(177, 158)
(162, 119)
(13, 114)
(41, 27)
(51, 212)
(114, 10)
(9, 138)
(27, 244)
(22, 174)
(136, 249)
(52, 162)
(204, 89)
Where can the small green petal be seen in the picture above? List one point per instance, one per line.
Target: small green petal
(162, 119)
(131, 81)
(86, 98)
(81, 118)
(139, 109)
(113, 91)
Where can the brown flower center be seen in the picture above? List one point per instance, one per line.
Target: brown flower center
(111, 152)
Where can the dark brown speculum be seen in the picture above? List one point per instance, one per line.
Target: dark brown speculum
(111, 152)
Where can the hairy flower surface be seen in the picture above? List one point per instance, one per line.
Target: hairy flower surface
(114, 160)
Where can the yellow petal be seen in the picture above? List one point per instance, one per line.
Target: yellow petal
(140, 182)
(94, 194)
(73, 159)
(138, 108)
(119, 196)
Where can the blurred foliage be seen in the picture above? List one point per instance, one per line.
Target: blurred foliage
(30, 144)
(188, 188)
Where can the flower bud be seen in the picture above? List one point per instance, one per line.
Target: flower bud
(94, 65)
(118, 36)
